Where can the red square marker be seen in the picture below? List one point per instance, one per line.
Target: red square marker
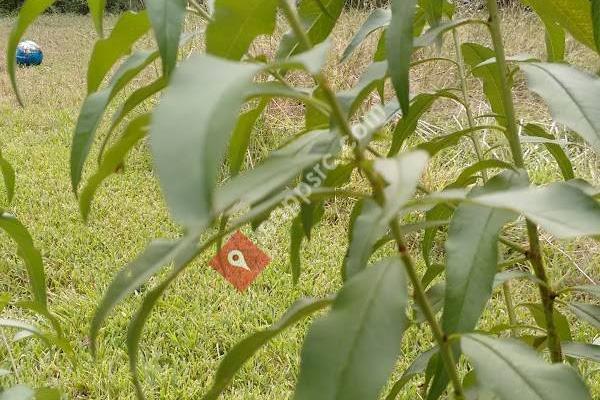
(240, 261)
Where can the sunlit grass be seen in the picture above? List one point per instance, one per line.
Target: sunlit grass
(202, 316)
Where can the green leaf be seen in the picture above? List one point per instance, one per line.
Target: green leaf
(594, 290)
(587, 312)
(47, 394)
(560, 208)
(241, 137)
(245, 349)
(563, 161)
(420, 104)
(277, 170)
(367, 227)
(8, 174)
(555, 34)
(399, 47)
(28, 13)
(417, 367)
(114, 157)
(167, 17)
(236, 24)
(505, 276)
(435, 34)
(203, 101)
(475, 54)
(524, 375)
(596, 21)
(439, 212)
(158, 254)
(18, 392)
(129, 28)
(97, 11)
(378, 19)
(94, 107)
(582, 351)
(402, 174)
(571, 95)
(466, 176)
(135, 99)
(439, 143)
(187, 251)
(21, 325)
(317, 24)
(472, 256)
(575, 16)
(435, 297)
(296, 237)
(374, 75)
(560, 321)
(433, 10)
(432, 272)
(361, 337)
(27, 251)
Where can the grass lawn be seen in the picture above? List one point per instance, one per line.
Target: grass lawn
(202, 316)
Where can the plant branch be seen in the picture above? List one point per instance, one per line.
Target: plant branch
(423, 302)
(535, 249)
(377, 185)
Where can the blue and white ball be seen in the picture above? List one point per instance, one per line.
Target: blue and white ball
(29, 53)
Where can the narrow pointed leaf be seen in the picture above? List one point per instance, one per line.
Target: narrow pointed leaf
(156, 256)
(94, 108)
(472, 257)
(560, 208)
(563, 161)
(560, 321)
(378, 19)
(402, 174)
(28, 13)
(129, 28)
(571, 95)
(361, 336)
(584, 351)
(587, 312)
(417, 367)
(514, 371)
(408, 124)
(135, 99)
(8, 174)
(18, 392)
(277, 170)
(596, 21)
(399, 47)
(475, 54)
(167, 18)
(244, 350)
(296, 237)
(187, 250)
(203, 101)
(114, 157)
(29, 253)
(97, 11)
(317, 24)
(575, 16)
(240, 137)
(236, 24)
(366, 229)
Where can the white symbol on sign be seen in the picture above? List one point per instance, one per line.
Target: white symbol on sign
(236, 258)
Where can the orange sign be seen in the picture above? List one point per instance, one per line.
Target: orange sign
(240, 261)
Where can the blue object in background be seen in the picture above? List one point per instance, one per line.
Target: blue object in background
(29, 53)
